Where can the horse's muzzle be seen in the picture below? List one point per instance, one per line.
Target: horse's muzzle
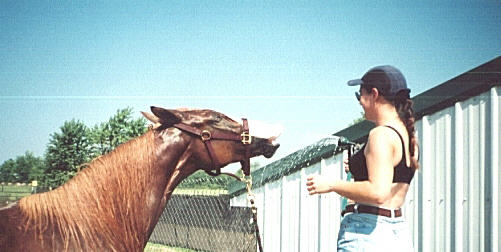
(263, 147)
(270, 150)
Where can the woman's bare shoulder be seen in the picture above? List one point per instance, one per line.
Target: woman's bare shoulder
(382, 136)
(381, 132)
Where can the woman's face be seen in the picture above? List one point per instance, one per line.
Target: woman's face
(366, 101)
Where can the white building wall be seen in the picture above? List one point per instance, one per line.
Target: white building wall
(453, 203)
(272, 216)
(291, 211)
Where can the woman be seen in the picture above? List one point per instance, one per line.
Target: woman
(382, 170)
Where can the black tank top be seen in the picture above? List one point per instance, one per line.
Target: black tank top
(401, 172)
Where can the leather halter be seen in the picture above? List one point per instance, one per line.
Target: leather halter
(207, 136)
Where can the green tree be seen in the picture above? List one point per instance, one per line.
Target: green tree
(120, 128)
(37, 167)
(71, 148)
(358, 120)
(29, 167)
(23, 169)
(66, 152)
(8, 171)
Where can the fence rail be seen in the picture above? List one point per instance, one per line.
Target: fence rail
(11, 193)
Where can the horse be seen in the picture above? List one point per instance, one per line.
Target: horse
(115, 202)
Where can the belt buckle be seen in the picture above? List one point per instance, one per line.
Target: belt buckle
(355, 208)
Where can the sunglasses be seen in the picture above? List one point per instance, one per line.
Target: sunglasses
(357, 94)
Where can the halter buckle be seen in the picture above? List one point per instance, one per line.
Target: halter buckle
(246, 138)
(205, 135)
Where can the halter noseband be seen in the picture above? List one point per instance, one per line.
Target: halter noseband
(207, 136)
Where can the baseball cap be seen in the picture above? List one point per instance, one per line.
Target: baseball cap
(387, 79)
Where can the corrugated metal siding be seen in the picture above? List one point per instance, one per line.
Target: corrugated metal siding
(291, 187)
(309, 213)
(496, 165)
(273, 217)
(453, 203)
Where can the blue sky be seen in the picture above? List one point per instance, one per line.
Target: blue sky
(279, 61)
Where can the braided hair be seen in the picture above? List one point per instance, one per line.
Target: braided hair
(405, 110)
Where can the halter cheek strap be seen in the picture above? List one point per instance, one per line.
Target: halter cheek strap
(207, 136)
(246, 141)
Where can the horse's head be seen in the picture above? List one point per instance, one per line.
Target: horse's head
(215, 140)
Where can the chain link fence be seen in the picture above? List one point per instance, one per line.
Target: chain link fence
(199, 217)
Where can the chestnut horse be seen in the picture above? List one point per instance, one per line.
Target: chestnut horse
(114, 203)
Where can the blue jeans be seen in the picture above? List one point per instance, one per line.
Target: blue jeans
(368, 232)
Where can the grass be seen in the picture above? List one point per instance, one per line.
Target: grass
(153, 247)
(15, 189)
(12, 193)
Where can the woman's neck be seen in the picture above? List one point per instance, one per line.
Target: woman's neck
(387, 115)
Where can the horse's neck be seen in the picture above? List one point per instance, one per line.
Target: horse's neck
(180, 166)
(142, 194)
(118, 193)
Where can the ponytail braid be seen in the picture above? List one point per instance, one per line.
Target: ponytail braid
(406, 114)
(403, 105)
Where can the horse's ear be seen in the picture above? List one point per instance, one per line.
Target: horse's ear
(152, 118)
(166, 117)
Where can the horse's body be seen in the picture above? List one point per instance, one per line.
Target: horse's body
(114, 203)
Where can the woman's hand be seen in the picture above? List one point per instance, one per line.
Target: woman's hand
(319, 184)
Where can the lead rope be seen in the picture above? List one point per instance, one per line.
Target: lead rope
(251, 198)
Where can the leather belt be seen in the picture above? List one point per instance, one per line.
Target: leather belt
(358, 208)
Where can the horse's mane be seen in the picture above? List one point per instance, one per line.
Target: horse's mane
(95, 205)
